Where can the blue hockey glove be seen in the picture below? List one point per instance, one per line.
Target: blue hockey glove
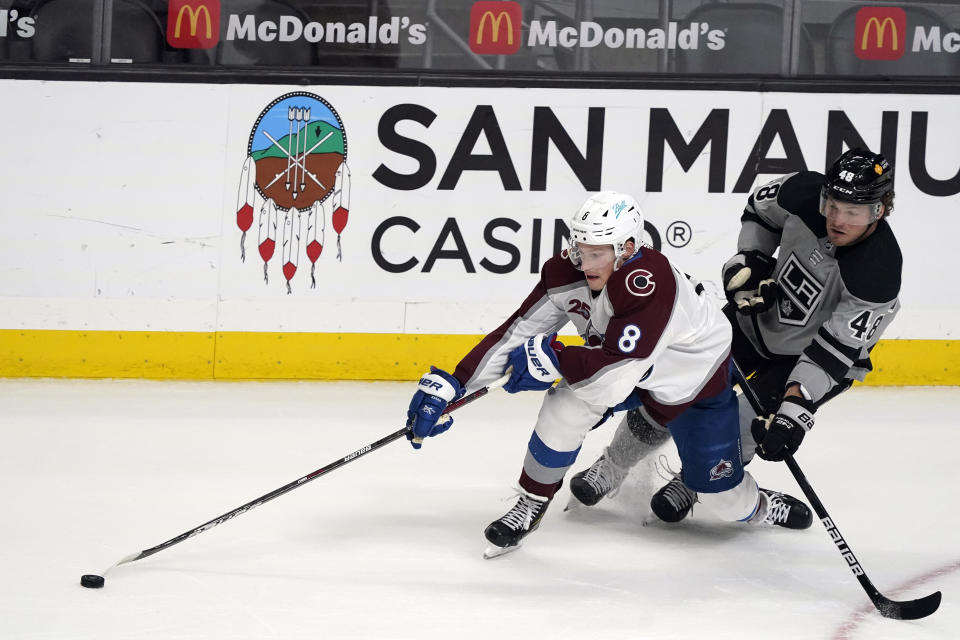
(434, 391)
(747, 283)
(535, 364)
(784, 431)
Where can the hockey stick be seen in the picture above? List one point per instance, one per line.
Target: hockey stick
(359, 453)
(898, 610)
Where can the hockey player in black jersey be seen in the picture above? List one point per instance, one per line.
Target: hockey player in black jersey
(813, 285)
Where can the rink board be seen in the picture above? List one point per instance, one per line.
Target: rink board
(429, 211)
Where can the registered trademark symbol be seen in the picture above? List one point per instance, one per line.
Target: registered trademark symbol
(679, 234)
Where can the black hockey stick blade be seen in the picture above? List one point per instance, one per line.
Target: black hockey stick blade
(907, 609)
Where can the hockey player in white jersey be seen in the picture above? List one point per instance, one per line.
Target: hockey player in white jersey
(651, 339)
(804, 322)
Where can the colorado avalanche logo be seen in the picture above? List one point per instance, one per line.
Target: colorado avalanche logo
(297, 165)
(723, 469)
(640, 282)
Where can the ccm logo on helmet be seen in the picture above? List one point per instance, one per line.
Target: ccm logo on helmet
(640, 282)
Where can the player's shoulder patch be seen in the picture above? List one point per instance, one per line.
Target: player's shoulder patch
(800, 195)
(644, 280)
(558, 271)
(871, 270)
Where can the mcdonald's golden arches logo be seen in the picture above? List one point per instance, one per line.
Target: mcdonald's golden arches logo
(880, 33)
(193, 24)
(495, 27)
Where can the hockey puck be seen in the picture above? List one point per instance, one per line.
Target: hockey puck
(91, 581)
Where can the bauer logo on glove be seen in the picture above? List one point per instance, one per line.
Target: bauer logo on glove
(783, 432)
(540, 365)
(535, 364)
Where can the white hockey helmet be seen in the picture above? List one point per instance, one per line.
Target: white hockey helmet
(607, 217)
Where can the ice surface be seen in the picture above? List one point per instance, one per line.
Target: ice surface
(389, 546)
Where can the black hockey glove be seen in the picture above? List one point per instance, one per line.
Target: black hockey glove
(784, 431)
(747, 283)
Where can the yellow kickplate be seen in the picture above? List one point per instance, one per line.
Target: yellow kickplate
(241, 355)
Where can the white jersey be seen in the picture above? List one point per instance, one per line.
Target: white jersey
(647, 328)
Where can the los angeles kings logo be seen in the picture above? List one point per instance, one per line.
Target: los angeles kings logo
(799, 294)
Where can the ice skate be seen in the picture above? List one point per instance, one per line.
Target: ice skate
(673, 501)
(602, 479)
(505, 533)
(782, 510)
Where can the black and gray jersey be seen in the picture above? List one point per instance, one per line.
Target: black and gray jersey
(833, 303)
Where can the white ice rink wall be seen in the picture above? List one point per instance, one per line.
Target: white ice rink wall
(122, 240)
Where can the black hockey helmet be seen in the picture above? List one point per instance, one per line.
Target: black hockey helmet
(859, 176)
